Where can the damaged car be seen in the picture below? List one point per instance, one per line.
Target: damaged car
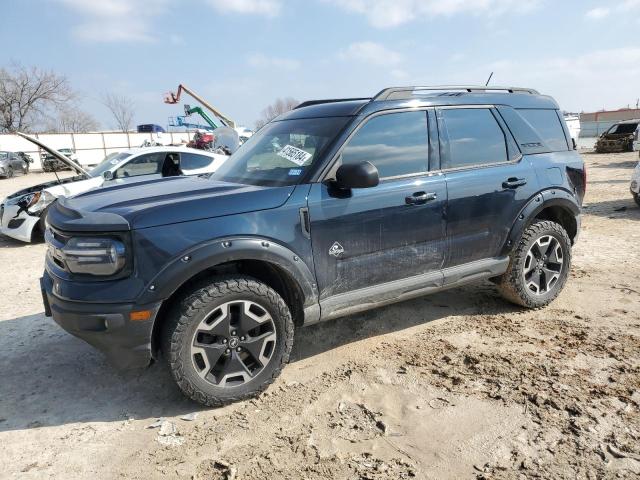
(12, 163)
(22, 213)
(51, 163)
(331, 209)
(620, 137)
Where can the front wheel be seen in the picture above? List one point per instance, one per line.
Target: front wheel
(228, 340)
(9, 172)
(636, 197)
(539, 265)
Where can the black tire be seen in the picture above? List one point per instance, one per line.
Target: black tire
(25, 169)
(10, 172)
(514, 284)
(636, 197)
(189, 349)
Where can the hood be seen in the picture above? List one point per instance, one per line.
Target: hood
(42, 186)
(64, 159)
(176, 199)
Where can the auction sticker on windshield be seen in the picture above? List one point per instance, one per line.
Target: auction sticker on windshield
(295, 155)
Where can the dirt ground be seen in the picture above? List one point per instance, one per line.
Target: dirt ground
(456, 385)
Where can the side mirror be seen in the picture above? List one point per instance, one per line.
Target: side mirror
(108, 175)
(359, 175)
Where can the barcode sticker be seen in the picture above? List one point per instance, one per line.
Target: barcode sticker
(294, 155)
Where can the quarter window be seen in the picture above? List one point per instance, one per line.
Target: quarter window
(548, 127)
(193, 161)
(148, 164)
(396, 143)
(475, 137)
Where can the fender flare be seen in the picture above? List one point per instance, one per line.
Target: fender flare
(222, 250)
(547, 198)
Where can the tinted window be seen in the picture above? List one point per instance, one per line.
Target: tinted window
(395, 143)
(148, 164)
(475, 138)
(193, 161)
(547, 124)
(625, 128)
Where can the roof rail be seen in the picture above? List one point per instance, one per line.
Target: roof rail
(333, 100)
(399, 93)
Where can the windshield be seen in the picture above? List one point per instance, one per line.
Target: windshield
(281, 152)
(623, 128)
(107, 163)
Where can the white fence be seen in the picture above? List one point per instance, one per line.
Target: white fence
(90, 148)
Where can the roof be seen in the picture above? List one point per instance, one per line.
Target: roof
(624, 122)
(167, 148)
(401, 97)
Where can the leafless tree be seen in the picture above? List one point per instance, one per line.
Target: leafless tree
(72, 119)
(122, 109)
(281, 105)
(27, 94)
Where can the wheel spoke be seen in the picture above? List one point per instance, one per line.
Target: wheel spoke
(232, 368)
(217, 321)
(529, 262)
(550, 277)
(534, 280)
(256, 347)
(252, 317)
(213, 353)
(555, 254)
(543, 245)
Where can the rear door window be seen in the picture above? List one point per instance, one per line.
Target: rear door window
(475, 137)
(148, 164)
(548, 127)
(194, 161)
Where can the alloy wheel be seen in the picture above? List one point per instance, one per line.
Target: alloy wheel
(233, 343)
(543, 265)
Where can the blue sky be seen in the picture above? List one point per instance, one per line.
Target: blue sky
(242, 54)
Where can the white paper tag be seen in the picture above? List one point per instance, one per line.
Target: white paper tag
(294, 155)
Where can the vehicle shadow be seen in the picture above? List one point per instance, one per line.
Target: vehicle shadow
(8, 242)
(49, 377)
(624, 208)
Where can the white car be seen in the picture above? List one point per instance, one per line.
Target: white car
(635, 184)
(22, 214)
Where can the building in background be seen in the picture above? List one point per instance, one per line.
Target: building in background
(595, 124)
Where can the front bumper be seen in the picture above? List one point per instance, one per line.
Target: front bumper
(17, 224)
(107, 326)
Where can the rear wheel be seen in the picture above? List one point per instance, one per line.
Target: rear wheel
(228, 340)
(539, 265)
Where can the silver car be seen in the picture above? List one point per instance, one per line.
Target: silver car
(11, 163)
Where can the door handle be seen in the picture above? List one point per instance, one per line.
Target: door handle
(419, 198)
(514, 182)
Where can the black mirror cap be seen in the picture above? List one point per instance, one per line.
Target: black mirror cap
(108, 175)
(359, 175)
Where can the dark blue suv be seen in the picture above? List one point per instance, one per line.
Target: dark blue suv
(336, 207)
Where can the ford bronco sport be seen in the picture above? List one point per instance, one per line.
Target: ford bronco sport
(336, 207)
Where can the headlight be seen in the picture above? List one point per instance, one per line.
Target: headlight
(94, 256)
(38, 201)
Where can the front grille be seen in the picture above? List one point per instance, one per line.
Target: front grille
(55, 240)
